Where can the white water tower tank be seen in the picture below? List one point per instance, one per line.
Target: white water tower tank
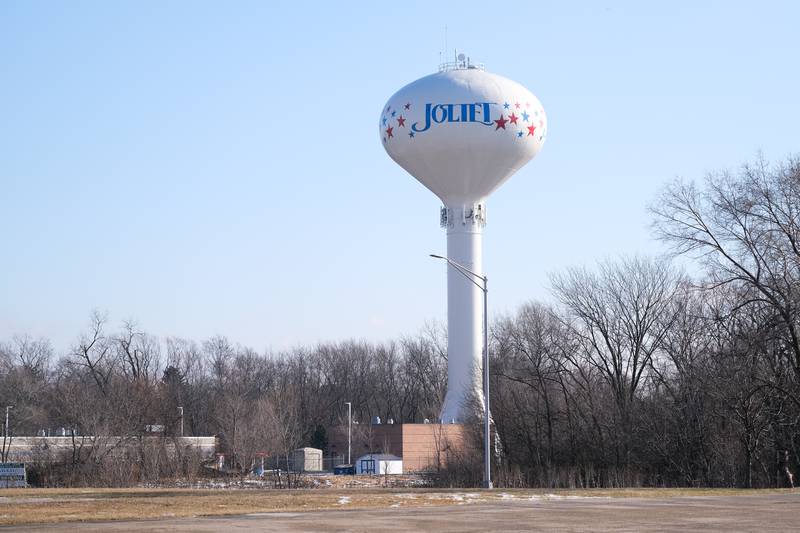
(462, 132)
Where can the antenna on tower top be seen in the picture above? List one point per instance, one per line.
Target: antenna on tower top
(460, 62)
(445, 38)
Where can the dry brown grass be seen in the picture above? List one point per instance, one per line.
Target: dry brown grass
(38, 506)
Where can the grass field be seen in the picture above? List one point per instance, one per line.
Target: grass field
(42, 506)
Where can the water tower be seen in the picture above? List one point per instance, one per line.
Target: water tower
(462, 132)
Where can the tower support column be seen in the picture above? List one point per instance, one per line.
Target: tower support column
(464, 224)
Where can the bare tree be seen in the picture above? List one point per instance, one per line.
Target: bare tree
(138, 353)
(531, 349)
(746, 228)
(621, 313)
(31, 354)
(92, 352)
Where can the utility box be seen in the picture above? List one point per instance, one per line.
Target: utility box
(344, 470)
(307, 460)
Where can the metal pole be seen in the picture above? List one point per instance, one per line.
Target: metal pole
(487, 462)
(181, 410)
(349, 429)
(8, 407)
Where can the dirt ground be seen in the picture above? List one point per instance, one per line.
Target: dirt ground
(500, 511)
(400, 510)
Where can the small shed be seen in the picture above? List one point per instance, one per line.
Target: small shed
(379, 463)
(307, 460)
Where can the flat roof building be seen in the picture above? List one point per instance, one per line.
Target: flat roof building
(422, 447)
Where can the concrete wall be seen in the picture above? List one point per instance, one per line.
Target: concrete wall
(28, 448)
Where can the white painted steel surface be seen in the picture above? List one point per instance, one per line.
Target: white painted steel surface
(464, 320)
(462, 133)
(457, 134)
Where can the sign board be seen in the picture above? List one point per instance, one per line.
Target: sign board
(13, 475)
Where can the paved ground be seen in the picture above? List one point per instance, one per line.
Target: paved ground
(760, 512)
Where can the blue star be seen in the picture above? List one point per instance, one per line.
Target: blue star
(519, 134)
(505, 106)
(525, 116)
(394, 113)
(384, 121)
(411, 134)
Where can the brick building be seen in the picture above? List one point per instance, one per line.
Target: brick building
(421, 446)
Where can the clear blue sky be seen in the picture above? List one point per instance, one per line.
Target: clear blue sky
(213, 168)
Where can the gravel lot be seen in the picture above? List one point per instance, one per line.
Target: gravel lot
(768, 511)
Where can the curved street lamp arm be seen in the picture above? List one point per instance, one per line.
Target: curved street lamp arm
(464, 271)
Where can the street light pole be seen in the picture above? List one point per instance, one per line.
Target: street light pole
(8, 408)
(349, 429)
(180, 409)
(487, 465)
(484, 287)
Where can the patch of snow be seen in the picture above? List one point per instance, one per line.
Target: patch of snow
(344, 500)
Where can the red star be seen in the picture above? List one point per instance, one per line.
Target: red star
(527, 104)
(389, 132)
(516, 105)
(531, 129)
(401, 121)
(408, 105)
(501, 123)
(513, 118)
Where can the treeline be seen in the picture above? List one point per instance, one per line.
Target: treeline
(121, 384)
(636, 374)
